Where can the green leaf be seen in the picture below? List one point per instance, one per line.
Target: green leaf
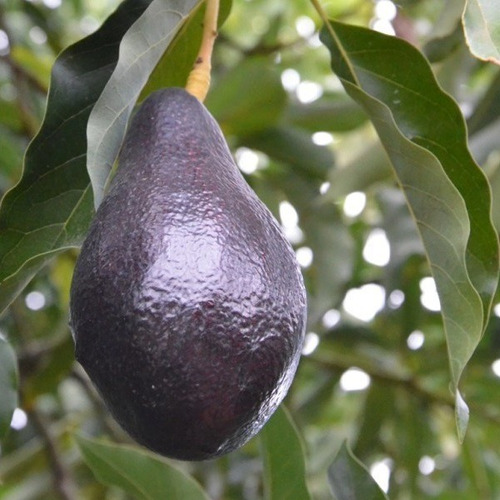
(481, 22)
(50, 208)
(487, 109)
(350, 480)
(240, 106)
(140, 51)
(367, 167)
(284, 465)
(8, 385)
(333, 249)
(333, 112)
(138, 472)
(423, 132)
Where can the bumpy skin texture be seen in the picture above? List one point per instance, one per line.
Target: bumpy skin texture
(187, 305)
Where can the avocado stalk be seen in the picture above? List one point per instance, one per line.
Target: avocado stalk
(198, 81)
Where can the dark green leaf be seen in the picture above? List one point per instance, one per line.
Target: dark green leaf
(140, 51)
(423, 132)
(8, 385)
(350, 480)
(138, 472)
(50, 208)
(284, 467)
(243, 107)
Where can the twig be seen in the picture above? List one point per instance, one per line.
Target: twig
(113, 429)
(21, 73)
(261, 49)
(62, 478)
(411, 384)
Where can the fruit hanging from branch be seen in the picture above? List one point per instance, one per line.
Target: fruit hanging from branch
(187, 307)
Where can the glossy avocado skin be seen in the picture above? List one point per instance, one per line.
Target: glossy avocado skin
(187, 306)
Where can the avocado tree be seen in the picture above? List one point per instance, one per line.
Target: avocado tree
(370, 130)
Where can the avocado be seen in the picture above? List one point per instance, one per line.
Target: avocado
(187, 307)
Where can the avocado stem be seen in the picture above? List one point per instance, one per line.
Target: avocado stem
(198, 81)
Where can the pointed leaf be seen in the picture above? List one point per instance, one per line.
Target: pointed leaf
(8, 385)
(140, 50)
(423, 132)
(50, 208)
(481, 21)
(138, 472)
(284, 466)
(350, 480)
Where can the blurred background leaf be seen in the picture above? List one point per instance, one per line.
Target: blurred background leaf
(8, 385)
(481, 23)
(138, 472)
(349, 478)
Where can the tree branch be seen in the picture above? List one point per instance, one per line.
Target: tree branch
(409, 383)
(61, 475)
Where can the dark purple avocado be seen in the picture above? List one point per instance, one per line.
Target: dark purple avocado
(188, 308)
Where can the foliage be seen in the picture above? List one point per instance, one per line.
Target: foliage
(318, 115)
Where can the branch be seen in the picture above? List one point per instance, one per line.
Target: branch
(61, 475)
(411, 384)
(112, 428)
